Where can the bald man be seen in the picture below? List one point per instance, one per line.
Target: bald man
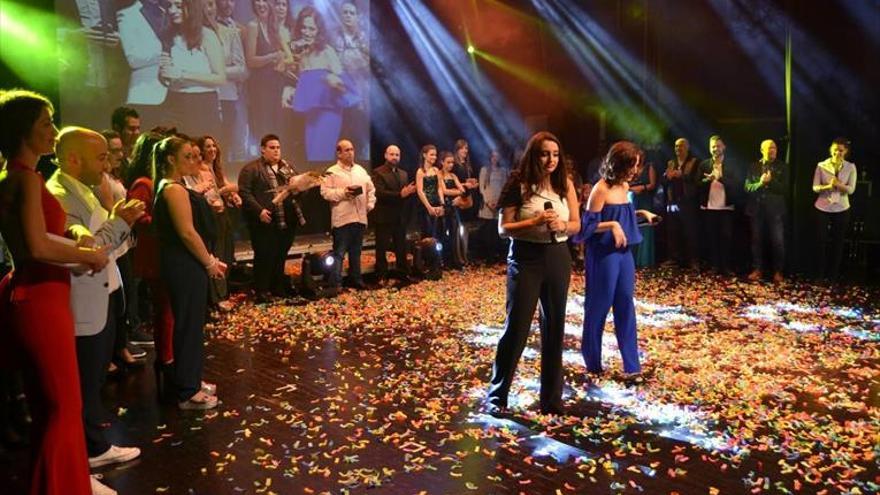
(351, 194)
(82, 157)
(767, 189)
(392, 189)
(681, 185)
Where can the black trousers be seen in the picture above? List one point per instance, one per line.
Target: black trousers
(128, 317)
(829, 255)
(93, 354)
(396, 234)
(681, 226)
(270, 245)
(718, 226)
(187, 283)
(768, 221)
(535, 272)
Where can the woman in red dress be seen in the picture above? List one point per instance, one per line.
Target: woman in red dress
(36, 324)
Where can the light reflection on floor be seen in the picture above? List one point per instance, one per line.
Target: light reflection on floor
(682, 423)
(787, 315)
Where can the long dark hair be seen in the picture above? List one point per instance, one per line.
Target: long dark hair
(141, 164)
(425, 149)
(216, 166)
(19, 111)
(617, 166)
(164, 150)
(530, 171)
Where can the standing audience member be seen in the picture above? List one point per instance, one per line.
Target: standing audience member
(206, 183)
(272, 226)
(127, 123)
(492, 179)
(466, 174)
(429, 189)
(720, 187)
(82, 159)
(146, 257)
(539, 212)
(109, 192)
(183, 222)
(834, 181)
(452, 233)
(38, 326)
(392, 190)
(642, 189)
(682, 197)
(351, 194)
(767, 189)
(610, 229)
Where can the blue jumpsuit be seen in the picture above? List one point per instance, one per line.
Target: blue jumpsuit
(610, 282)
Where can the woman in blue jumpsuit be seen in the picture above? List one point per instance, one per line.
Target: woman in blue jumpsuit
(610, 229)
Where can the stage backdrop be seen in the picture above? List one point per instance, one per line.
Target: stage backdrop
(235, 69)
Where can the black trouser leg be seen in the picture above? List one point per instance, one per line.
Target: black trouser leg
(280, 281)
(534, 271)
(187, 284)
(398, 234)
(262, 241)
(776, 229)
(756, 225)
(383, 235)
(93, 354)
(553, 297)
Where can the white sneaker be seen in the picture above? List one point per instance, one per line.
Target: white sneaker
(99, 488)
(114, 455)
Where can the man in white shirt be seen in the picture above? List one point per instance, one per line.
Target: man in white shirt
(350, 191)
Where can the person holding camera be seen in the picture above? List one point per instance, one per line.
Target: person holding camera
(350, 191)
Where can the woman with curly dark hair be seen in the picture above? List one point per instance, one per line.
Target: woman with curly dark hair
(610, 229)
(539, 210)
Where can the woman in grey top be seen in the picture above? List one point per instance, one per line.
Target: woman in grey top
(834, 180)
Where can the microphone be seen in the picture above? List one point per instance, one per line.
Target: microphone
(549, 206)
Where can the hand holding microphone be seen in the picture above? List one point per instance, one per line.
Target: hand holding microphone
(550, 217)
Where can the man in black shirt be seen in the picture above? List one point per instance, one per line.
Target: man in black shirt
(392, 189)
(767, 189)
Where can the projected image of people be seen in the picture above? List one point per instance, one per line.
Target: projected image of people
(321, 92)
(236, 69)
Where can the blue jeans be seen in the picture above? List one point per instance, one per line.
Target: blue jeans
(348, 238)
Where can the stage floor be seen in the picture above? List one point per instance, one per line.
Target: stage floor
(747, 389)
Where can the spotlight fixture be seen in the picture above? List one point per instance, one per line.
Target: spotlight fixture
(471, 49)
(316, 265)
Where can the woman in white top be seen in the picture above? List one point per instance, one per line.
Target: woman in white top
(834, 180)
(539, 212)
(192, 66)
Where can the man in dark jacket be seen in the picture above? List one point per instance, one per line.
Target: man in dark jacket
(720, 187)
(767, 189)
(272, 226)
(392, 189)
